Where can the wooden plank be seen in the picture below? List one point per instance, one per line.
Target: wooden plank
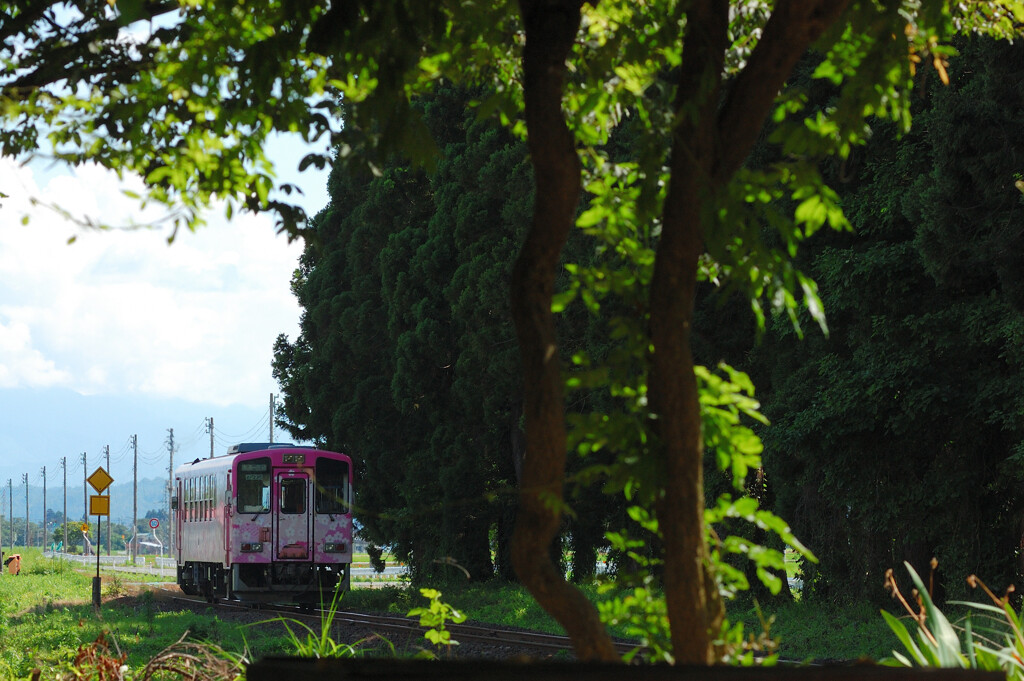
(361, 669)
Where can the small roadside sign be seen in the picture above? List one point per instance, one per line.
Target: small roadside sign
(100, 480)
(99, 505)
(85, 527)
(154, 523)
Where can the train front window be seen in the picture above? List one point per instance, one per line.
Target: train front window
(254, 486)
(293, 495)
(331, 485)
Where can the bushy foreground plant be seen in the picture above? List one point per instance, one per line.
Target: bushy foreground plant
(990, 638)
(434, 617)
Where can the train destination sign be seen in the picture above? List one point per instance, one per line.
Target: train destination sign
(100, 480)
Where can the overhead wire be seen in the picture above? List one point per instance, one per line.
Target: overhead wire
(264, 421)
(197, 433)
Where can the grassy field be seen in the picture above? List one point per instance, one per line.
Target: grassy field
(46, 615)
(813, 632)
(804, 631)
(508, 605)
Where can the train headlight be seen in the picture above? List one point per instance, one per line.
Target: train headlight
(335, 547)
(254, 547)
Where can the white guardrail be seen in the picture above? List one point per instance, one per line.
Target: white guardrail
(155, 563)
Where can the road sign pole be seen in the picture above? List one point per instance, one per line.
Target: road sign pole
(99, 480)
(96, 579)
(153, 524)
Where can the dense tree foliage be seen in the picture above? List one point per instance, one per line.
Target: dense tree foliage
(187, 100)
(899, 436)
(404, 284)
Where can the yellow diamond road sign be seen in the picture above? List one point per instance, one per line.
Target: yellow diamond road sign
(100, 480)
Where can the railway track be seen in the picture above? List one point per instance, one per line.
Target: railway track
(513, 639)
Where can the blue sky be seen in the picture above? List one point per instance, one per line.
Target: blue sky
(120, 333)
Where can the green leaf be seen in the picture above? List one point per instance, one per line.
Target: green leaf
(904, 637)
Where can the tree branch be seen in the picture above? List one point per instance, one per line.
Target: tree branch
(792, 27)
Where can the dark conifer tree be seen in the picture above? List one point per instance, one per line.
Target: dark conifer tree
(899, 437)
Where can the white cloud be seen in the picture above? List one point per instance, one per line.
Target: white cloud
(124, 312)
(20, 363)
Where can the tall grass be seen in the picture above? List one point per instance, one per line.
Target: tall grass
(306, 641)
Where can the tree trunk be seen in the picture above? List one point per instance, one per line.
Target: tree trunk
(551, 27)
(710, 141)
(694, 606)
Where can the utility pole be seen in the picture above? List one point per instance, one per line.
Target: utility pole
(209, 429)
(64, 466)
(85, 491)
(271, 418)
(28, 538)
(170, 486)
(135, 496)
(43, 542)
(106, 449)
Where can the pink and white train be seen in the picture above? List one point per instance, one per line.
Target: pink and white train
(264, 523)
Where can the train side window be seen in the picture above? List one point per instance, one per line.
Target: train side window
(293, 495)
(331, 486)
(253, 484)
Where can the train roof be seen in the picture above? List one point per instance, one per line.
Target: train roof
(245, 447)
(234, 451)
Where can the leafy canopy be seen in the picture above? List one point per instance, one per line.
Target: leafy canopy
(185, 94)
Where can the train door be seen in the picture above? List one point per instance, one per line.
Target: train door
(176, 505)
(291, 514)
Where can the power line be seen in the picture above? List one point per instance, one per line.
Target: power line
(198, 432)
(252, 430)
